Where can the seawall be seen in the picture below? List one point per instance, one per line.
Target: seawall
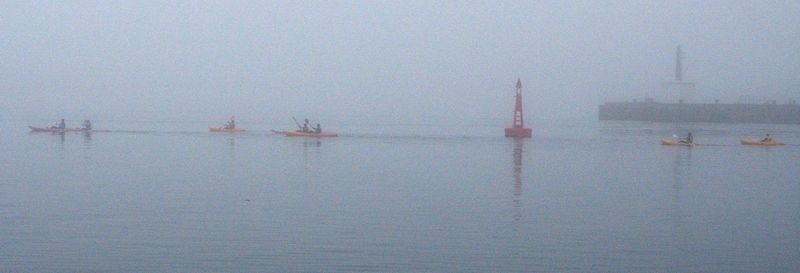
(679, 112)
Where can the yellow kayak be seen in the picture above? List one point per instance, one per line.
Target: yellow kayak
(750, 141)
(305, 134)
(668, 141)
(220, 129)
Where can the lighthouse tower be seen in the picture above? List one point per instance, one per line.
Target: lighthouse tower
(678, 90)
(518, 128)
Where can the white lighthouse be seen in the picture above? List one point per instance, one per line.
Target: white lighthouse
(678, 90)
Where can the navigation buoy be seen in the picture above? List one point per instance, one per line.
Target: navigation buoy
(518, 128)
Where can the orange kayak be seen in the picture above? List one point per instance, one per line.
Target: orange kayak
(220, 129)
(750, 141)
(667, 141)
(305, 134)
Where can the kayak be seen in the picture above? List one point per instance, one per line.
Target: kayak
(220, 129)
(750, 141)
(667, 141)
(54, 130)
(305, 134)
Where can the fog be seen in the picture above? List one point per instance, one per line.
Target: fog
(379, 61)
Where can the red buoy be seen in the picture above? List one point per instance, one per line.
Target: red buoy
(518, 128)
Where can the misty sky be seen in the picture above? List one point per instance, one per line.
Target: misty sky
(393, 61)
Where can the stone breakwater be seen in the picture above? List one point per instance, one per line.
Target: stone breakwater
(681, 112)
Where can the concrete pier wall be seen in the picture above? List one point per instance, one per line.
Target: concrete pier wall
(723, 113)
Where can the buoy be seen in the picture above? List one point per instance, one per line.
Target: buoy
(518, 128)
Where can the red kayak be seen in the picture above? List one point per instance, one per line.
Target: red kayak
(55, 130)
(305, 134)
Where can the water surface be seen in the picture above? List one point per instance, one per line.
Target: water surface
(578, 196)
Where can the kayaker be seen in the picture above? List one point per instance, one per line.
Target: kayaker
(60, 125)
(317, 129)
(767, 139)
(305, 126)
(231, 124)
(689, 139)
(87, 125)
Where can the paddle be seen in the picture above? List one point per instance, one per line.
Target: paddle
(683, 140)
(297, 123)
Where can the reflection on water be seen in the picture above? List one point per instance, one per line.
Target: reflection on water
(61, 149)
(311, 154)
(316, 143)
(517, 170)
(311, 147)
(518, 225)
(87, 144)
(61, 140)
(87, 140)
(232, 147)
(517, 167)
(681, 173)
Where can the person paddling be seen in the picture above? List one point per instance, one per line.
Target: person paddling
(689, 139)
(231, 123)
(87, 125)
(59, 125)
(767, 139)
(317, 129)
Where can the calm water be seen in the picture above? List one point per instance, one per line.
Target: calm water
(579, 196)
